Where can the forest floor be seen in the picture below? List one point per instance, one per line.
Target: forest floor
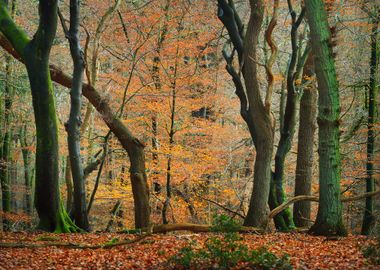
(153, 252)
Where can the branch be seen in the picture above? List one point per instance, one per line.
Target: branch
(280, 208)
(222, 206)
(268, 68)
(239, 87)
(227, 16)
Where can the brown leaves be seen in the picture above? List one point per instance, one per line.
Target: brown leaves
(306, 252)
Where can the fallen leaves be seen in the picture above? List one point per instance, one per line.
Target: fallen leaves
(305, 251)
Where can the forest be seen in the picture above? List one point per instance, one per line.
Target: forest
(189, 134)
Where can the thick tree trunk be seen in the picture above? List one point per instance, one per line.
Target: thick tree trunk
(252, 109)
(259, 121)
(36, 53)
(329, 218)
(369, 218)
(307, 127)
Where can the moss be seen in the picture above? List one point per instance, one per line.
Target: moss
(64, 224)
(17, 37)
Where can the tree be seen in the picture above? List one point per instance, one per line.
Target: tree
(329, 218)
(369, 218)
(255, 113)
(284, 221)
(35, 53)
(74, 122)
(305, 153)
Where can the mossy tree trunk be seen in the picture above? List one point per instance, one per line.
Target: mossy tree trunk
(35, 54)
(329, 218)
(369, 218)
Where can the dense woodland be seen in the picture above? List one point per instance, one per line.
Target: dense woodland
(255, 118)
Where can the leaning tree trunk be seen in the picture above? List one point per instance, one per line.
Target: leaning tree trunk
(307, 127)
(369, 218)
(36, 53)
(329, 218)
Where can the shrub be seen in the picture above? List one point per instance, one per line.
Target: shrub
(226, 251)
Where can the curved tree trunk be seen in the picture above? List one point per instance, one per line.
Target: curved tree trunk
(329, 218)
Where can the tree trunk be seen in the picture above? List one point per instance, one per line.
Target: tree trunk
(284, 221)
(329, 218)
(5, 159)
(252, 109)
(74, 122)
(26, 156)
(307, 126)
(36, 53)
(369, 218)
(69, 187)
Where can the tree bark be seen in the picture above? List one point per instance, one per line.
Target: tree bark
(307, 127)
(329, 218)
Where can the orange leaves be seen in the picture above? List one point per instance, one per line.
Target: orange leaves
(306, 252)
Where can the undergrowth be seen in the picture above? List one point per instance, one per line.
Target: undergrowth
(226, 250)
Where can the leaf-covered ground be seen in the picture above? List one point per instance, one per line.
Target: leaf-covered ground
(306, 252)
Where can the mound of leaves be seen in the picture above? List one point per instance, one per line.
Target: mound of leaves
(226, 250)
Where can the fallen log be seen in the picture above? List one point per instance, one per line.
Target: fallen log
(106, 245)
(195, 228)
